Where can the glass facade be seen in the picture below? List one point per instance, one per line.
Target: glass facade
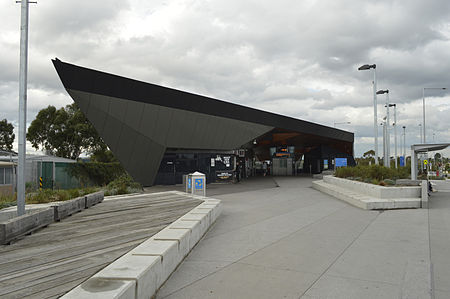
(174, 165)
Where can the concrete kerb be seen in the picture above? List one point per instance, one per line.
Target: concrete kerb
(25, 224)
(101, 288)
(151, 263)
(36, 218)
(370, 197)
(68, 207)
(93, 199)
(424, 190)
(374, 190)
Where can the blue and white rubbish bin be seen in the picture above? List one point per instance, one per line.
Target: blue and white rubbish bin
(196, 183)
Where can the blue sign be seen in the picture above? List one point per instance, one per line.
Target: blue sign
(402, 161)
(189, 183)
(341, 162)
(198, 184)
(325, 164)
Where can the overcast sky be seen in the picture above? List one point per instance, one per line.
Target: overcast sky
(296, 58)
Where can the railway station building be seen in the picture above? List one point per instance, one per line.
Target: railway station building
(159, 134)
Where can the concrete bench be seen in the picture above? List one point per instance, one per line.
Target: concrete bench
(355, 193)
(144, 269)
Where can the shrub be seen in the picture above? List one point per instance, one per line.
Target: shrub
(73, 193)
(7, 200)
(96, 173)
(123, 185)
(389, 182)
(30, 187)
(373, 173)
(49, 195)
(375, 181)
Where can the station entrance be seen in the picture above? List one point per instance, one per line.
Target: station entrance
(278, 153)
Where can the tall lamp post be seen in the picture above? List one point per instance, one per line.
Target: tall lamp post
(404, 143)
(384, 140)
(421, 141)
(388, 139)
(22, 106)
(423, 102)
(395, 131)
(375, 125)
(420, 129)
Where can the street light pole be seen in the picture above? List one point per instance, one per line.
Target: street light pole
(22, 107)
(384, 140)
(420, 129)
(375, 117)
(385, 155)
(423, 108)
(404, 143)
(388, 139)
(388, 136)
(395, 131)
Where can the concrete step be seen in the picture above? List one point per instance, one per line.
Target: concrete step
(364, 201)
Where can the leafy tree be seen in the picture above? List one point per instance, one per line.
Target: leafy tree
(64, 132)
(370, 153)
(103, 155)
(6, 135)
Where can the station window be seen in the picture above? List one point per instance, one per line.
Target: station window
(8, 176)
(5, 176)
(2, 176)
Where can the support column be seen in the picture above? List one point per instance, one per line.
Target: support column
(413, 164)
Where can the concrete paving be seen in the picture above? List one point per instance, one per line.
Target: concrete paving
(290, 241)
(439, 216)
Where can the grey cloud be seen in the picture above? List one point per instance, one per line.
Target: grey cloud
(293, 57)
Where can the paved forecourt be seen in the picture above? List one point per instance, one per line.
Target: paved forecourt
(292, 241)
(439, 215)
(55, 259)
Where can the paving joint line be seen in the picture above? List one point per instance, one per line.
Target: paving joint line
(339, 256)
(432, 295)
(237, 261)
(365, 280)
(253, 223)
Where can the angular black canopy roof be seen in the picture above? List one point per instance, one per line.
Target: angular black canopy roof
(88, 80)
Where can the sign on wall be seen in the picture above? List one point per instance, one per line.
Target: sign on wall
(341, 162)
(224, 176)
(402, 161)
(198, 184)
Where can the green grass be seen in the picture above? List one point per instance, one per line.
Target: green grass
(7, 201)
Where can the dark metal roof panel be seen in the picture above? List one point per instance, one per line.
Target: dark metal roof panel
(79, 78)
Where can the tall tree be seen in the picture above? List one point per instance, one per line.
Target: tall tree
(6, 135)
(64, 132)
(370, 153)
